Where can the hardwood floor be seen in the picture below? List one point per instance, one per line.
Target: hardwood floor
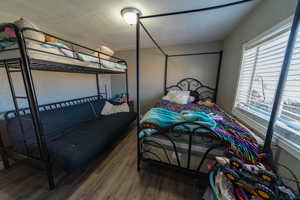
(113, 176)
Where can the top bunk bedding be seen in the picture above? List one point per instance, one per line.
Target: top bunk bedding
(48, 52)
(60, 54)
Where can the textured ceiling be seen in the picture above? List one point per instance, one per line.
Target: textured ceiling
(95, 22)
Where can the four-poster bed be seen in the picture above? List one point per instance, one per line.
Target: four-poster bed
(187, 84)
(140, 142)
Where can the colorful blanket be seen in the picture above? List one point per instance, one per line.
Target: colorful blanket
(164, 119)
(237, 138)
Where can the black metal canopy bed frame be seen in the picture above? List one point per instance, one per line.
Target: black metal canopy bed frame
(191, 84)
(24, 64)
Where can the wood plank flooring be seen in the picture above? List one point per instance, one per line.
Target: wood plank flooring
(111, 177)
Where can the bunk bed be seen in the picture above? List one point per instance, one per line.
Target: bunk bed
(68, 133)
(159, 141)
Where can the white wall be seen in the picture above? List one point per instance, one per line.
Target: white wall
(202, 67)
(266, 15)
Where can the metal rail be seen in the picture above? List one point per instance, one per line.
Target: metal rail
(195, 10)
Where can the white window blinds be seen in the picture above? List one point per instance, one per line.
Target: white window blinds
(260, 70)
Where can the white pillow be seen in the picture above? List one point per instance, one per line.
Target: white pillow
(109, 108)
(25, 23)
(105, 50)
(191, 99)
(177, 96)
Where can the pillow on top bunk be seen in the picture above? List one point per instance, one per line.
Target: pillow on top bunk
(7, 36)
(109, 108)
(105, 50)
(50, 39)
(178, 96)
(24, 23)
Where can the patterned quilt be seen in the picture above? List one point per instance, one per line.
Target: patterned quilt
(236, 137)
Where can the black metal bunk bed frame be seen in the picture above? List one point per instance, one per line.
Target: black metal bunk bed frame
(269, 135)
(24, 65)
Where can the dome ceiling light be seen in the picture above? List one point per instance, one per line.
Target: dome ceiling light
(130, 15)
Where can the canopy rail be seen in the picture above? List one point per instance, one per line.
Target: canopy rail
(195, 10)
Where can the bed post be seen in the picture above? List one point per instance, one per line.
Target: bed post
(166, 74)
(98, 85)
(3, 153)
(126, 82)
(281, 82)
(218, 75)
(33, 105)
(138, 89)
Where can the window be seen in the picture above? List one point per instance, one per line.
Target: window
(288, 123)
(260, 70)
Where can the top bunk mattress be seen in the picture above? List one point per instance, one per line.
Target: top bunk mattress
(58, 55)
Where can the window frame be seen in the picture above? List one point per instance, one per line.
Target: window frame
(243, 115)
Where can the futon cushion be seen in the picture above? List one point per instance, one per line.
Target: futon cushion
(75, 134)
(86, 140)
(98, 106)
(54, 122)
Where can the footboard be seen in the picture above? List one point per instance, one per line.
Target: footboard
(185, 146)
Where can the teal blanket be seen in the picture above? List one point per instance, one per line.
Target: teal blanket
(165, 118)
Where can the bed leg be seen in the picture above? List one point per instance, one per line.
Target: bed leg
(3, 154)
(205, 156)
(138, 163)
(138, 166)
(4, 159)
(50, 176)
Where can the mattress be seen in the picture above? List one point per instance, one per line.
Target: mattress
(46, 53)
(199, 144)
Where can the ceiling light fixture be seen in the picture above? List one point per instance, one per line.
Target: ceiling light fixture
(130, 15)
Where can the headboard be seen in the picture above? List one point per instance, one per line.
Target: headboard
(191, 84)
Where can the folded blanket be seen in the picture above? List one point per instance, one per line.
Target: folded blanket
(165, 119)
(237, 138)
(64, 49)
(199, 118)
(87, 58)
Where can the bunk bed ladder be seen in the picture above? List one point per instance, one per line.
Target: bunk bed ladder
(30, 96)
(15, 100)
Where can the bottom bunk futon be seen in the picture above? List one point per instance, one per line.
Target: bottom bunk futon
(74, 133)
